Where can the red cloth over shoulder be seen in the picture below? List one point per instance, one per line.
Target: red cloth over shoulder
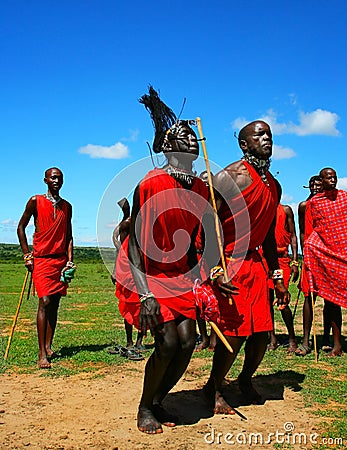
(169, 214)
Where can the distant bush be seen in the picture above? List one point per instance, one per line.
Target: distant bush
(13, 253)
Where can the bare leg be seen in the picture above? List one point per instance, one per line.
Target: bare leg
(254, 352)
(222, 361)
(52, 316)
(213, 340)
(287, 317)
(41, 323)
(336, 324)
(166, 345)
(307, 320)
(326, 327)
(128, 333)
(203, 332)
(139, 338)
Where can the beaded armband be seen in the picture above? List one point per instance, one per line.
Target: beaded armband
(216, 272)
(28, 256)
(294, 263)
(144, 297)
(277, 274)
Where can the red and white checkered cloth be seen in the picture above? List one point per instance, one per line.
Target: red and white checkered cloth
(326, 247)
(206, 301)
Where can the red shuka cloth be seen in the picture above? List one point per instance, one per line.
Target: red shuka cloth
(304, 284)
(49, 247)
(169, 214)
(326, 248)
(250, 311)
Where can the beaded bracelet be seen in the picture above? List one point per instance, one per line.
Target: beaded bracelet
(216, 272)
(294, 263)
(145, 297)
(277, 274)
(70, 264)
(28, 256)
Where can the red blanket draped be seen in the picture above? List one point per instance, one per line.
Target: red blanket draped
(169, 214)
(49, 247)
(326, 248)
(241, 215)
(255, 206)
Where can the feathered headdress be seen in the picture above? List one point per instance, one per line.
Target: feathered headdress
(163, 118)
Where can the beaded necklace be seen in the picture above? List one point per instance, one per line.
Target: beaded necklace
(54, 201)
(180, 174)
(261, 165)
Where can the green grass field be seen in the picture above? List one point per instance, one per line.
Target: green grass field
(89, 322)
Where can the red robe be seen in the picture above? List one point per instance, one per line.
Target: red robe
(254, 210)
(326, 248)
(170, 214)
(50, 246)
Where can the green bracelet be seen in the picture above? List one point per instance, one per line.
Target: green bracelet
(144, 297)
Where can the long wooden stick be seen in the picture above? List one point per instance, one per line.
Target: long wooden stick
(213, 200)
(16, 315)
(221, 337)
(296, 303)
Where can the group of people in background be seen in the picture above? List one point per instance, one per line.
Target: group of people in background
(172, 242)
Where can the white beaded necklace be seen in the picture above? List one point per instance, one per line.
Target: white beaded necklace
(54, 201)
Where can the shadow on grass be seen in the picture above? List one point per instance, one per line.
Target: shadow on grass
(66, 352)
(191, 406)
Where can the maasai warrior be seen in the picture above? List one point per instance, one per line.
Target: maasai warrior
(51, 258)
(326, 251)
(247, 205)
(285, 236)
(155, 264)
(306, 228)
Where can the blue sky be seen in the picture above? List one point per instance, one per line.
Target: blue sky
(72, 72)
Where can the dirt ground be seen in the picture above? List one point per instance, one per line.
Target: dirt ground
(99, 412)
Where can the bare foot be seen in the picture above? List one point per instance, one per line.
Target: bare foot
(216, 401)
(273, 345)
(147, 423)
(163, 416)
(337, 352)
(201, 346)
(292, 347)
(247, 389)
(43, 363)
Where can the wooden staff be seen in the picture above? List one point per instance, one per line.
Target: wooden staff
(296, 304)
(221, 336)
(17, 313)
(213, 200)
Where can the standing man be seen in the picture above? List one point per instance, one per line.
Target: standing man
(306, 228)
(326, 252)
(155, 267)
(51, 260)
(247, 203)
(285, 236)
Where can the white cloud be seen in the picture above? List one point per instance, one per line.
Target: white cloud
(286, 198)
(10, 223)
(116, 151)
(318, 122)
(282, 152)
(342, 183)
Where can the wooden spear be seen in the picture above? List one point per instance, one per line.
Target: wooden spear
(17, 313)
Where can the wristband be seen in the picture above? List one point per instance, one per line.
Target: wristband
(277, 274)
(70, 264)
(144, 297)
(216, 272)
(294, 263)
(28, 256)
